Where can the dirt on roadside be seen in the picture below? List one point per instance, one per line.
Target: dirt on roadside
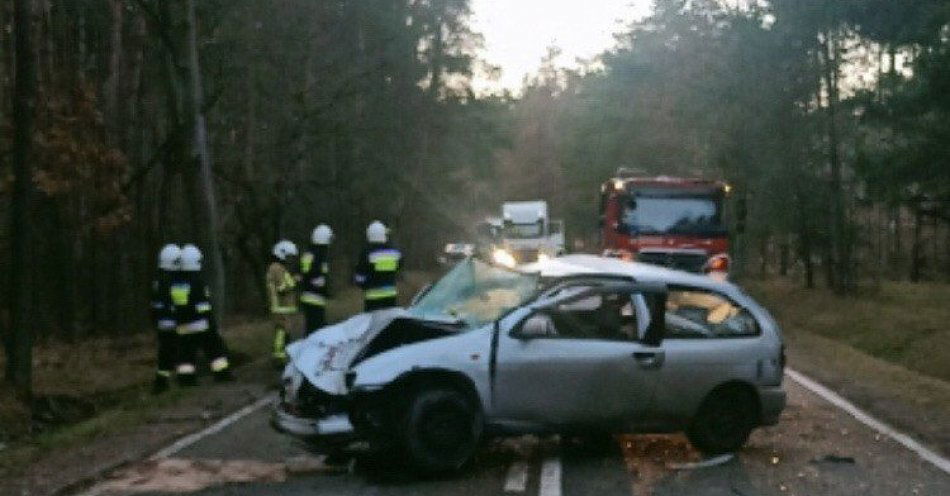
(133, 435)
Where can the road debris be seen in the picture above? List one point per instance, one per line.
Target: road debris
(834, 459)
(300, 465)
(177, 475)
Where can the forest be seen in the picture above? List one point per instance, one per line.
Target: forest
(127, 124)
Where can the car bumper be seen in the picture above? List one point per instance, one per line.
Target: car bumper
(773, 402)
(332, 426)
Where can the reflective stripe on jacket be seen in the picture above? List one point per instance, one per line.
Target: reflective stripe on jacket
(381, 293)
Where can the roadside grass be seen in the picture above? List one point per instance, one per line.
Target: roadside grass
(902, 323)
(887, 351)
(101, 384)
(98, 386)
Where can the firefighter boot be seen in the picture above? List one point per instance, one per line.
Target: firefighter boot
(221, 369)
(187, 375)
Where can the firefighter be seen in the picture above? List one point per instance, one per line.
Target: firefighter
(163, 316)
(281, 292)
(377, 269)
(197, 328)
(315, 273)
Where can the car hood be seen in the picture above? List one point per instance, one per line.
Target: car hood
(324, 357)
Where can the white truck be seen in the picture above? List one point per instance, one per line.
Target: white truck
(527, 234)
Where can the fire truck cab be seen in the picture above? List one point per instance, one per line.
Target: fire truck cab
(670, 221)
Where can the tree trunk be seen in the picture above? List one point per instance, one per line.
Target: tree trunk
(783, 255)
(203, 151)
(916, 259)
(839, 250)
(115, 59)
(19, 349)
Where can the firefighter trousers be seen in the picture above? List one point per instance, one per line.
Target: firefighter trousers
(283, 323)
(379, 303)
(209, 344)
(315, 317)
(167, 344)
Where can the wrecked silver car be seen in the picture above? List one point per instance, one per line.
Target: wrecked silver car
(574, 344)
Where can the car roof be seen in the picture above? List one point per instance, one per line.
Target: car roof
(569, 266)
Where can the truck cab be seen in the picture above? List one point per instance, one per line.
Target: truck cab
(527, 234)
(670, 221)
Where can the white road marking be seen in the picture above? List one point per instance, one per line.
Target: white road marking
(517, 479)
(212, 429)
(550, 484)
(866, 419)
(193, 438)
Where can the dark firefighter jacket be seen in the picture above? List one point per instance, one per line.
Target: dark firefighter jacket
(314, 273)
(376, 271)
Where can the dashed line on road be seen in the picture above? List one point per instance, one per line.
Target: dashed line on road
(517, 478)
(550, 484)
(866, 419)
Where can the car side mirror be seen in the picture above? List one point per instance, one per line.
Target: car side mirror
(536, 326)
(656, 330)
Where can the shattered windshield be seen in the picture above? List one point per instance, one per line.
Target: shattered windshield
(475, 293)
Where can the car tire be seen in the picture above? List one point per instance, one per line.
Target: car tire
(724, 421)
(441, 431)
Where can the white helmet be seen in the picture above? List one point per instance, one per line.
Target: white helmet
(322, 235)
(376, 232)
(190, 258)
(284, 249)
(170, 257)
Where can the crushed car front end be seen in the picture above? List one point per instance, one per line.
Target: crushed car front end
(306, 412)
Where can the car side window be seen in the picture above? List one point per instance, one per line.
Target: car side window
(696, 313)
(604, 316)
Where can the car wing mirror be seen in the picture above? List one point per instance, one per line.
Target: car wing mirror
(539, 325)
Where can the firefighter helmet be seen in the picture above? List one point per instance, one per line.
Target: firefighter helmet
(170, 257)
(376, 232)
(322, 235)
(284, 249)
(191, 258)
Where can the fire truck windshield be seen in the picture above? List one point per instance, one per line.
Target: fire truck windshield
(696, 215)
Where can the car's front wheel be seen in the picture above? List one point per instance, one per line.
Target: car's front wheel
(441, 431)
(724, 421)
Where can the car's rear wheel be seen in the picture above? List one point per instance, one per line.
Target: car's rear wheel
(442, 429)
(724, 421)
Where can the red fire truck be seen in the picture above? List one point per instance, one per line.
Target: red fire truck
(671, 221)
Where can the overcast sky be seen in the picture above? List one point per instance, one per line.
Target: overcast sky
(517, 32)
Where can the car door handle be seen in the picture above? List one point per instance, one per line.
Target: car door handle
(649, 359)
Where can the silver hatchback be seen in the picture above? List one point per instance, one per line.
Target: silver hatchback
(574, 344)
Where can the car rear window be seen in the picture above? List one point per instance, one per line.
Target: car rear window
(696, 313)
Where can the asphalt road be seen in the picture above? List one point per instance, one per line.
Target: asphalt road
(816, 449)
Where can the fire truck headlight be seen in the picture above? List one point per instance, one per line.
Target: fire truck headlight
(502, 257)
(543, 257)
